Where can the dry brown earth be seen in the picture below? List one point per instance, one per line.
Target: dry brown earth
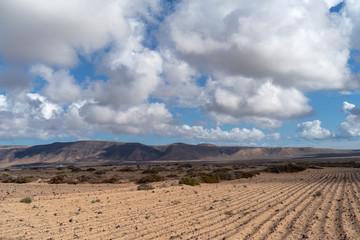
(314, 204)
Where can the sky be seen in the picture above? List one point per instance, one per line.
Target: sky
(227, 72)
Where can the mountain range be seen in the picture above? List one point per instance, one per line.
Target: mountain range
(94, 153)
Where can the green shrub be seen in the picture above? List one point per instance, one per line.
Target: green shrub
(26, 200)
(225, 176)
(209, 178)
(150, 178)
(189, 181)
(242, 174)
(145, 187)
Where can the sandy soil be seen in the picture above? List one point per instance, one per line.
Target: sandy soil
(314, 204)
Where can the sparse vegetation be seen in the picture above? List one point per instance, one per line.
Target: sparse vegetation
(209, 178)
(189, 181)
(57, 179)
(17, 179)
(242, 174)
(150, 171)
(317, 194)
(90, 169)
(26, 200)
(229, 213)
(150, 178)
(285, 168)
(100, 172)
(145, 187)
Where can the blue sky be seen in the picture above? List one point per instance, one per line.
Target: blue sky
(258, 73)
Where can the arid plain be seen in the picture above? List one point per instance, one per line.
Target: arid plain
(318, 203)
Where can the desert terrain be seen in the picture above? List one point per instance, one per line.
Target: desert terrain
(318, 203)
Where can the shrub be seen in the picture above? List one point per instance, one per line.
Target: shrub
(242, 174)
(187, 165)
(112, 179)
(20, 179)
(189, 181)
(26, 200)
(150, 178)
(145, 187)
(100, 172)
(57, 179)
(126, 169)
(150, 171)
(285, 168)
(209, 178)
(225, 176)
(91, 169)
(76, 169)
(172, 176)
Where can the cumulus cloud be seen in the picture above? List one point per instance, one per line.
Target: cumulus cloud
(298, 44)
(61, 87)
(351, 127)
(237, 61)
(235, 135)
(352, 11)
(133, 70)
(262, 56)
(57, 32)
(237, 99)
(312, 130)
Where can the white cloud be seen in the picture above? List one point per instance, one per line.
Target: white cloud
(44, 108)
(235, 135)
(298, 44)
(133, 70)
(144, 119)
(3, 103)
(256, 61)
(351, 127)
(238, 99)
(312, 130)
(56, 32)
(60, 87)
(352, 12)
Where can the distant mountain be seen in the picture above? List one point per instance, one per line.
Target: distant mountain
(92, 153)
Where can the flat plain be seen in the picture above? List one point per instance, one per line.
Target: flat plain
(312, 204)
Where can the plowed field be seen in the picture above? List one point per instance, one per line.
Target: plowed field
(314, 204)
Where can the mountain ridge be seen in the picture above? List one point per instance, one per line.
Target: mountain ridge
(92, 153)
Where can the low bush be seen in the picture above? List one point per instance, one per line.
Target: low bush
(126, 169)
(91, 169)
(242, 174)
(58, 179)
(150, 171)
(209, 178)
(189, 181)
(285, 168)
(26, 200)
(225, 176)
(76, 169)
(113, 179)
(145, 187)
(150, 178)
(19, 179)
(100, 172)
